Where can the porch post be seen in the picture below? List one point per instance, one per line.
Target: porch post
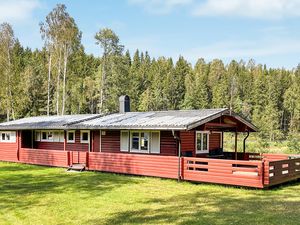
(65, 140)
(31, 138)
(235, 145)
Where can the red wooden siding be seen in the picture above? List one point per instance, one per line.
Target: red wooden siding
(96, 142)
(44, 157)
(137, 164)
(214, 141)
(187, 141)
(168, 145)
(8, 152)
(110, 142)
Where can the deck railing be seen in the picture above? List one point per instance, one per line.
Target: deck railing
(272, 169)
(234, 172)
(277, 172)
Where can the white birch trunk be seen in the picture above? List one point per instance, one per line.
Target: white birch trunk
(48, 88)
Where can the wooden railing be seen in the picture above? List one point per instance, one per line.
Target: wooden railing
(137, 164)
(277, 172)
(44, 157)
(233, 172)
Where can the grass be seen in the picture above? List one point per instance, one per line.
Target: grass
(44, 195)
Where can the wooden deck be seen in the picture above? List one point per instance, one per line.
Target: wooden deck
(258, 170)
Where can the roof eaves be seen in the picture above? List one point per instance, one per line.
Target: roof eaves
(207, 119)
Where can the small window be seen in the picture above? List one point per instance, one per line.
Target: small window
(44, 135)
(144, 141)
(71, 136)
(47, 136)
(202, 140)
(135, 140)
(8, 136)
(84, 136)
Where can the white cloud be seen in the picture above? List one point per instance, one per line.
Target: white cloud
(17, 10)
(263, 9)
(245, 49)
(160, 6)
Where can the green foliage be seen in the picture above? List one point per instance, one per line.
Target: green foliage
(62, 78)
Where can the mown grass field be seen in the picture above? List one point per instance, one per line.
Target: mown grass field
(43, 195)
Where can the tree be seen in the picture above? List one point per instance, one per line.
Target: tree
(109, 42)
(7, 42)
(62, 37)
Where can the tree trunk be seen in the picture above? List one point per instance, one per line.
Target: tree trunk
(48, 88)
(58, 83)
(103, 77)
(64, 82)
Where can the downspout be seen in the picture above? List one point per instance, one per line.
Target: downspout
(244, 143)
(179, 154)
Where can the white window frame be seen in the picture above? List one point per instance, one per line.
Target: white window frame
(71, 141)
(47, 139)
(139, 150)
(10, 136)
(202, 151)
(60, 137)
(84, 141)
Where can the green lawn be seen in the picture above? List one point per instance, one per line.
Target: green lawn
(43, 195)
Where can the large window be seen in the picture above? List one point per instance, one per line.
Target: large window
(202, 141)
(8, 136)
(140, 141)
(49, 136)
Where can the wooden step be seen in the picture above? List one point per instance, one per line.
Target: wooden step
(77, 167)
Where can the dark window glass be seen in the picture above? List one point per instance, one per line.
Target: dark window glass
(44, 135)
(135, 141)
(71, 136)
(85, 136)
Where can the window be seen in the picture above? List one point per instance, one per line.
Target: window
(8, 136)
(141, 141)
(84, 136)
(47, 136)
(58, 136)
(202, 141)
(135, 141)
(71, 137)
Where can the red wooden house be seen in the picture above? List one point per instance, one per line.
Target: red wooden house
(181, 144)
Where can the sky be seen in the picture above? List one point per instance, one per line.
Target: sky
(264, 30)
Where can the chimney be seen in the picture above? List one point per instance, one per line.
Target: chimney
(124, 104)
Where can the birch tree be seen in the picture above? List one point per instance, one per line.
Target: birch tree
(7, 42)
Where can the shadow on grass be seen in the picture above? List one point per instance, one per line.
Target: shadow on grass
(227, 206)
(17, 182)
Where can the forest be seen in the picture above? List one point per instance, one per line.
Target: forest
(61, 78)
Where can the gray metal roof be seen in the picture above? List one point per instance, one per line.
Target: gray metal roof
(46, 122)
(156, 120)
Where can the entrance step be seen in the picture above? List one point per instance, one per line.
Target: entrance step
(79, 167)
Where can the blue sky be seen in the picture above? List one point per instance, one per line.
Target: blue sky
(265, 30)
